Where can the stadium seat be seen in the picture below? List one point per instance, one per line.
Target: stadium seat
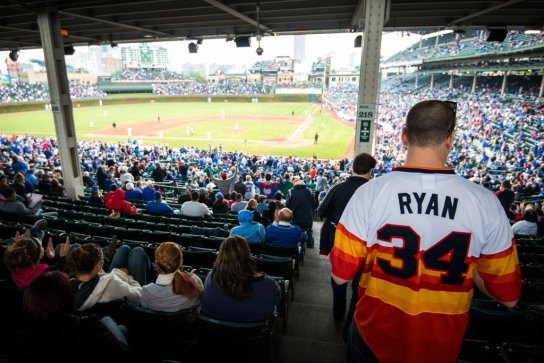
(127, 233)
(76, 227)
(532, 291)
(278, 266)
(475, 351)
(488, 320)
(294, 253)
(158, 335)
(156, 236)
(523, 353)
(199, 257)
(234, 342)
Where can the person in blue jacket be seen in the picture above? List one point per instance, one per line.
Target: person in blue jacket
(252, 232)
(158, 206)
(284, 234)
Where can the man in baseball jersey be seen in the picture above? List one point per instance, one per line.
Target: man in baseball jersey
(425, 237)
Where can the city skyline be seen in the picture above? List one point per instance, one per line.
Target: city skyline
(339, 46)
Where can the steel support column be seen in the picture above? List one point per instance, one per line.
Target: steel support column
(503, 87)
(451, 81)
(432, 82)
(541, 92)
(369, 79)
(474, 82)
(61, 104)
(417, 80)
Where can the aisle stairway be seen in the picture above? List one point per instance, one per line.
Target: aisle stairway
(311, 335)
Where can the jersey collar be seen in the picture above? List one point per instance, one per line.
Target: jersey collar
(426, 170)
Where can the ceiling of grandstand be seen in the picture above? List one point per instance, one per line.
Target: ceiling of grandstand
(118, 21)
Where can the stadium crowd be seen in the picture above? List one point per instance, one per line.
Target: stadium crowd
(28, 92)
(146, 74)
(219, 88)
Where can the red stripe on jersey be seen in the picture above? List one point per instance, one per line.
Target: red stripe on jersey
(503, 288)
(394, 336)
(501, 254)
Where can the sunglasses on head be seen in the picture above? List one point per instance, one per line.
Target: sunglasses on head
(453, 106)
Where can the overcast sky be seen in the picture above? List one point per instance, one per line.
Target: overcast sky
(340, 46)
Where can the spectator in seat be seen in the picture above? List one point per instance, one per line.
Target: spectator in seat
(239, 186)
(96, 196)
(528, 225)
(239, 204)
(55, 334)
(252, 206)
(220, 206)
(118, 203)
(19, 185)
(132, 193)
(506, 196)
(56, 187)
(301, 201)
(174, 289)
(234, 290)
(130, 268)
(13, 206)
(101, 177)
(158, 206)
(125, 177)
(44, 185)
(18, 165)
(3, 183)
(250, 230)
(148, 191)
(284, 234)
(87, 180)
(158, 174)
(194, 208)
(224, 183)
(24, 258)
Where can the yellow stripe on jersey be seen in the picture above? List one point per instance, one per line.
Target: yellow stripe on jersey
(416, 302)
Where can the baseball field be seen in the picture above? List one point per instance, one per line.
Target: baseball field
(272, 128)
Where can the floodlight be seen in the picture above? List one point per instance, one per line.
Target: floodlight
(14, 55)
(193, 47)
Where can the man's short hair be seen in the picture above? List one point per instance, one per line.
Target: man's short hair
(195, 195)
(285, 215)
(8, 193)
(363, 163)
(429, 123)
(506, 184)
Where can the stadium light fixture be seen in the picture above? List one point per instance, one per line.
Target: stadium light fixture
(358, 41)
(193, 47)
(259, 50)
(69, 49)
(14, 55)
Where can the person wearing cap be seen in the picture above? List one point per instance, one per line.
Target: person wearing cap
(225, 184)
(158, 206)
(220, 206)
(194, 208)
(132, 193)
(251, 231)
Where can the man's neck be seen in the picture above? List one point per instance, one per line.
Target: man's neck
(424, 157)
(364, 176)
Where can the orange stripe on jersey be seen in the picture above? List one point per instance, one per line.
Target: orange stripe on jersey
(504, 288)
(394, 336)
(419, 301)
(347, 255)
(501, 263)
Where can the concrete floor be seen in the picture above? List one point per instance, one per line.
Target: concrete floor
(312, 336)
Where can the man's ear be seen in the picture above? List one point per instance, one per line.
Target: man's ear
(449, 140)
(403, 137)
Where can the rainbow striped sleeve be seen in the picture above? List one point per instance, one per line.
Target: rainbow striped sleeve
(501, 273)
(348, 253)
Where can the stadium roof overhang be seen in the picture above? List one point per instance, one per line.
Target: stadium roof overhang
(118, 21)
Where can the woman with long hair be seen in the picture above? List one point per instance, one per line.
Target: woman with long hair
(234, 290)
(174, 289)
(55, 334)
(19, 184)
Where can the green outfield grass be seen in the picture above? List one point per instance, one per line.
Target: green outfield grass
(278, 124)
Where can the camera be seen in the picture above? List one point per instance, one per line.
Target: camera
(259, 51)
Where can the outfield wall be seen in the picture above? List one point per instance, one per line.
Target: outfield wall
(131, 99)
